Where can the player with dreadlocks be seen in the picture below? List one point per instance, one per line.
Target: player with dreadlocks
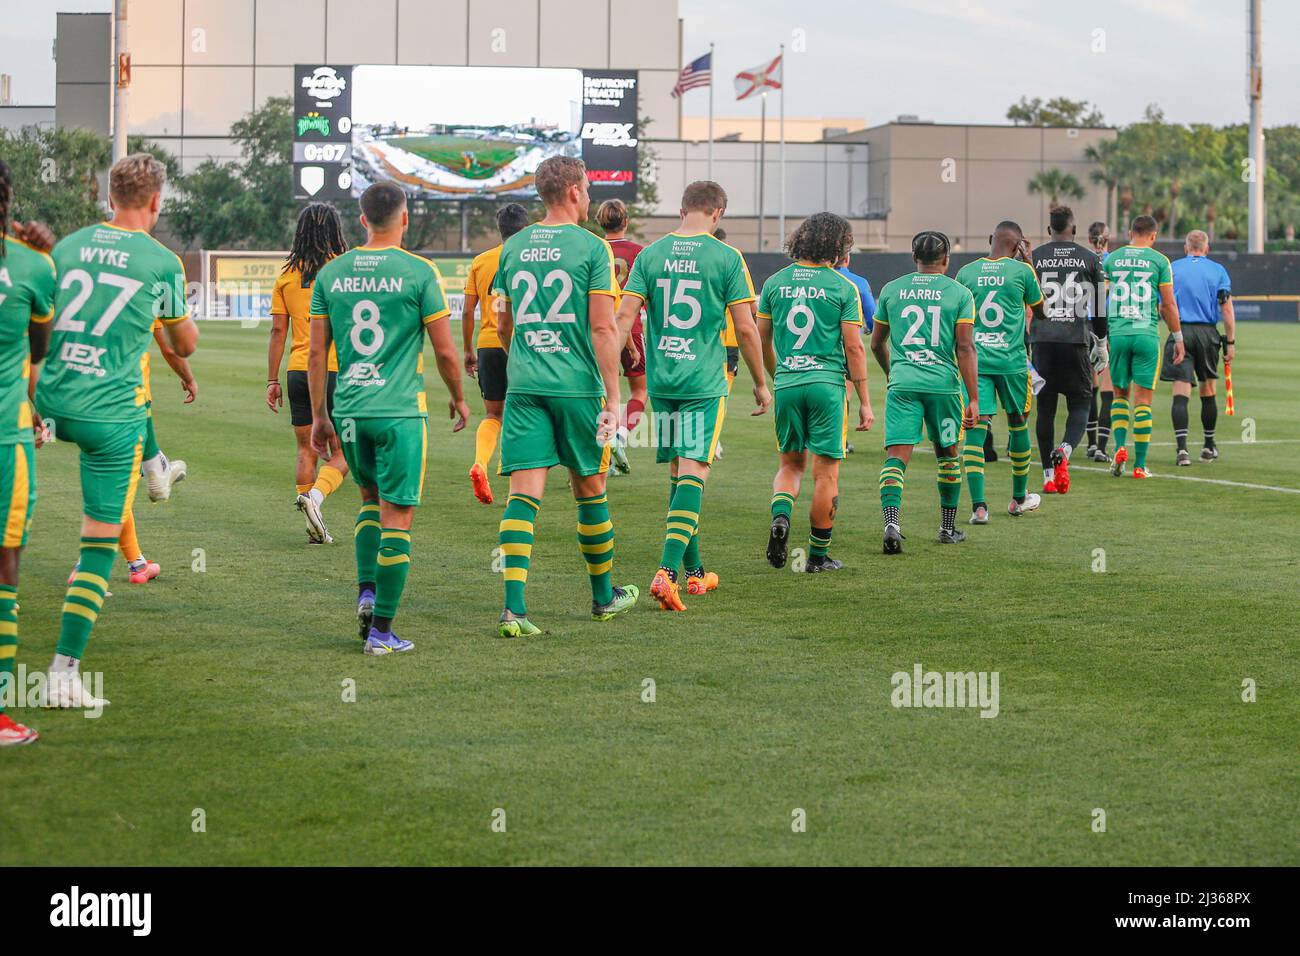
(924, 340)
(27, 283)
(317, 240)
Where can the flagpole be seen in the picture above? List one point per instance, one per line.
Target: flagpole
(711, 76)
(782, 213)
(762, 163)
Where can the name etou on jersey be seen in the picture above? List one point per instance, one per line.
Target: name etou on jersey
(365, 375)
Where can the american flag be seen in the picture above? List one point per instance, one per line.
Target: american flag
(695, 74)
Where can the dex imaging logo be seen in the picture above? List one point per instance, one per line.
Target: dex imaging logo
(83, 358)
(324, 84)
(544, 340)
(75, 909)
(609, 134)
(365, 374)
(677, 347)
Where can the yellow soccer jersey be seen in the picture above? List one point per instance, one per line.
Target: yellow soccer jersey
(291, 298)
(482, 272)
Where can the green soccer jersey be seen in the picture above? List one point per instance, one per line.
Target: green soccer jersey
(1002, 289)
(1135, 275)
(546, 274)
(27, 282)
(377, 302)
(808, 306)
(113, 284)
(687, 284)
(922, 312)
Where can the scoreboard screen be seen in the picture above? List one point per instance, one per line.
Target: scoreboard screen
(459, 133)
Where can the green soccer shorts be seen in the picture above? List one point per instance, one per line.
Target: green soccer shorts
(541, 431)
(686, 427)
(1012, 390)
(17, 492)
(110, 464)
(813, 417)
(387, 454)
(1134, 360)
(908, 412)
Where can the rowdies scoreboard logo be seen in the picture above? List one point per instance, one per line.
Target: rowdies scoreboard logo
(322, 128)
(609, 132)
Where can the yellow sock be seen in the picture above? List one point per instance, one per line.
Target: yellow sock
(328, 480)
(128, 542)
(303, 489)
(485, 441)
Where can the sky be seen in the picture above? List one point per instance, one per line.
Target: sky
(945, 60)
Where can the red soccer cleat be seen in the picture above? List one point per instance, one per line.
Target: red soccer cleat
(1060, 472)
(14, 734)
(479, 479)
(146, 574)
(1049, 487)
(1141, 473)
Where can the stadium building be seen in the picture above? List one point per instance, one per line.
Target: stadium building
(197, 66)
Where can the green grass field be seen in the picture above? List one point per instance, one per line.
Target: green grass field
(1118, 690)
(449, 151)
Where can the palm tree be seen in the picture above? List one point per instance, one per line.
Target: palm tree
(1054, 183)
(1105, 156)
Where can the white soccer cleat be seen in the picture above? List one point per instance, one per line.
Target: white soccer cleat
(1031, 503)
(316, 532)
(161, 480)
(64, 690)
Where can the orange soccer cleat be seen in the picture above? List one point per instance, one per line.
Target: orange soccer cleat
(144, 573)
(666, 591)
(1141, 473)
(479, 479)
(702, 585)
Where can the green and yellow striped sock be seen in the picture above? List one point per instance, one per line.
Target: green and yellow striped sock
(1119, 421)
(8, 640)
(1018, 445)
(366, 542)
(891, 485)
(1141, 435)
(950, 481)
(819, 542)
(516, 543)
(596, 542)
(973, 459)
(85, 595)
(782, 504)
(393, 563)
(691, 559)
(683, 520)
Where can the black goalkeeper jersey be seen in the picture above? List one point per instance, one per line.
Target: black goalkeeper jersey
(1071, 278)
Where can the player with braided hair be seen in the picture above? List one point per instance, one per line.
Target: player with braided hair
(923, 339)
(27, 284)
(317, 239)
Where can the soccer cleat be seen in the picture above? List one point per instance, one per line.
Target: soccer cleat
(666, 591)
(1209, 453)
(951, 537)
(702, 585)
(316, 532)
(717, 452)
(1141, 473)
(365, 613)
(778, 541)
(980, 515)
(848, 448)
(478, 479)
(514, 625)
(623, 600)
(1049, 487)
(64, 690)
(144, 573)
(893, 539)
(1060, 471)
(1091, 453)
(1018, 508)
(815, 566)
(1117, 463)
(618, 455)
(1099, 456)
(1184, 459)
(160, 483)
(14, 734)
(378, 644)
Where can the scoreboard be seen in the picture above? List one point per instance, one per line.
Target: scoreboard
(322, 133)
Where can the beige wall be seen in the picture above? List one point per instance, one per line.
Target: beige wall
(199, 65)
(746, 128)
(964, 179)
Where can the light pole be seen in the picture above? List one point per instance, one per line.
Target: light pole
(1255, 92)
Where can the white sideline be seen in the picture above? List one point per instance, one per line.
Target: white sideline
(1208, 481)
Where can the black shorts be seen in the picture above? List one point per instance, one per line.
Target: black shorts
(1065, 369)
(492, 374)
(1201, 363)
(300, 397)
(733, 360)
